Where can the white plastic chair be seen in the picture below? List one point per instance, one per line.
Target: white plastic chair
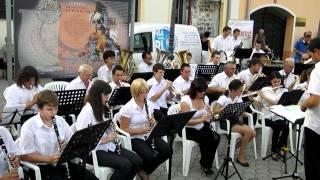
(234, 135)
(56, 85)
(187, 145)
(102, 172)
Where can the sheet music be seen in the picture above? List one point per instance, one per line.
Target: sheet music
(291, 112)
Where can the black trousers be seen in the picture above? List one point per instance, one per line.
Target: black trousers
(150, 161)
(50, 172)
(280, 133)
(311, 154)
(126, 164)
(207, 141)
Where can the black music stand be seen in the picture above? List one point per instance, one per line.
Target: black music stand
(233, 110)
(145, 75)
(294, 175)
(259, 83)
(267, 70)
(83, 142)
(291, 97)
(242, 53)
(171, 74)
(220, 68)
(206, 71)
(169, 126)
(299, 67)
(70, 101)
(120, 96)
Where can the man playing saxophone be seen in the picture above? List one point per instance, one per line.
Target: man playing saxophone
(9, 158)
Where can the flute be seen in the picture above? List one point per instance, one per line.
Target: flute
(7, 155)
(60, 146)
(256, 92)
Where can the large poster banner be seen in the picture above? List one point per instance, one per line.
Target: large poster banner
(56, 36)
(246, 31)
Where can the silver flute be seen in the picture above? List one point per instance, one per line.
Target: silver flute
(7, 155)
(60, 146)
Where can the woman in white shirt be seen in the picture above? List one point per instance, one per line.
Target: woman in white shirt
(136, 117)
(12, 150)
(197, 128)
(127, 163)
(23, 91)
(247, 134)
(268, 97)
(39, 143)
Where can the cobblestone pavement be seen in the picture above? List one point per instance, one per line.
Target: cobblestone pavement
(259, 169)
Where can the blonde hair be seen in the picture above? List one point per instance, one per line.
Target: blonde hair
(138, 86)
(85, 68)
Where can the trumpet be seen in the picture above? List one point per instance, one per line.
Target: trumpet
(7, 155)
(60, 149)
(256, 92)
(174, 90)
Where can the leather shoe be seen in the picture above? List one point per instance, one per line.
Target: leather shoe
(246, 164)
(207, 171)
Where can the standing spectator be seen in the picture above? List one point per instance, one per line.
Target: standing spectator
(223, 42)
(260, 36)
(206, 46)
(300, 47)
(236, 42)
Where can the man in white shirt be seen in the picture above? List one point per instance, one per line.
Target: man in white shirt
(182, 83)
(312, 117)
(12, 149)
(159, 92)
(257, 49)
(147, 64)
(117, 78)
(236, 42)
(105, 71)
(289, 79)
(215, 58)
(220, 82)
(247, 75)
(83, 80)
(39, 142)
(223, 42)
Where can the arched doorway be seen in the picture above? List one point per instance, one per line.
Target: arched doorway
(278, 24)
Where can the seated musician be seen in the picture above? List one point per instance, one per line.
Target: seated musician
(125, 163)
(182, 83)
(220, 82)
(136, 117)
(159, 92)
(23, 91)
(104, 72)
(117, 78)
(147, 64)
(287, 74)
(257, 48)
(12, 153)
(83, 81)
(247, 134)
(268, 97)
(39, 143)
(215, 58)
(249, 75)
(197, 128)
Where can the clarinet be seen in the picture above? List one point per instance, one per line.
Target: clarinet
(153, 146)
(7, 155)
(116, 140)
(60, 147)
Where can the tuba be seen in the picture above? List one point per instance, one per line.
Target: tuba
(126, 61)
(175, 60)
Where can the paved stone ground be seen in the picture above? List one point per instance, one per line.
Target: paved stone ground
(259, 169)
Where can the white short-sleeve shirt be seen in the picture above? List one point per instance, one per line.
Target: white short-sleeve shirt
(221, 80)
(137, 116)
(199, 113)
(155, 87)
(16, 95)
(226, 100)
(254, 51)
(273, 95)
(38, 137)
(181, 84)
(288, 79)
(77, 83)
(221, 43)
(11, 147)
(104, 73)
(312, 117)
(85, 119)
(245, 76)
(143, 67)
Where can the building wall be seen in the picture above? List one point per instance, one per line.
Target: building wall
(154, 11)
